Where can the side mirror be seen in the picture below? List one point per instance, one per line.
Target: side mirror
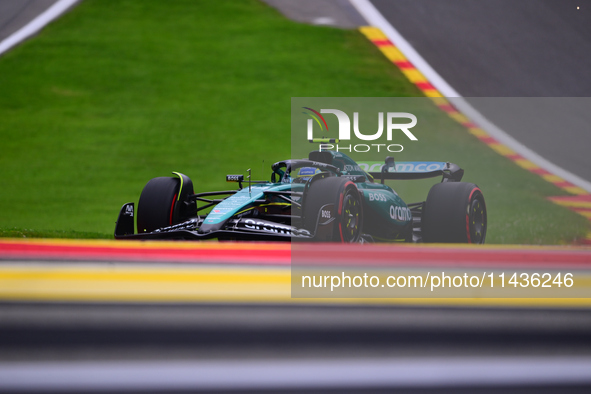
(452, 173)
(390, 163)
(235, 178)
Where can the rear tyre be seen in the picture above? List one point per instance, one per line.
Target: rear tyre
(157, 203)
(454, 212)
(341, 198)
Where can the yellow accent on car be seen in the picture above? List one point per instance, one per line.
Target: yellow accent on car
(181, 188)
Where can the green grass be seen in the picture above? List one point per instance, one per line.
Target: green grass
(117, 92)
(28, 233)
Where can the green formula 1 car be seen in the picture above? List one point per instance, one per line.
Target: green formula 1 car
(328, 198)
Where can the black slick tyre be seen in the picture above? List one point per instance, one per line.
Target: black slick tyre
(454, 212)
(341, 198)
(157, 203)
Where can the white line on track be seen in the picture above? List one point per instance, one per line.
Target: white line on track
(36, 24)
(313, 373)
(375, 18)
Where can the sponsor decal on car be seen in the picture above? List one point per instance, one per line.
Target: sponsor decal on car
(266, 226)
(400, 213)
(377, 197)
(349, 167)
(405, 166)
(234, 178)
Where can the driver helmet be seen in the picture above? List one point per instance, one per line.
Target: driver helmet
(304, 173)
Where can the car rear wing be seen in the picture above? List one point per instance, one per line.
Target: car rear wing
(404, 170)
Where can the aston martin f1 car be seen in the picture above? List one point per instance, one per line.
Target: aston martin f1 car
(328, 198)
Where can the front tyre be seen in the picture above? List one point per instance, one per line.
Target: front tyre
(157, 203)
(454, 212)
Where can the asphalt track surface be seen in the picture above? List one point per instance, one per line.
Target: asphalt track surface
(506, 55)
(14, 14)
(501, 48)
